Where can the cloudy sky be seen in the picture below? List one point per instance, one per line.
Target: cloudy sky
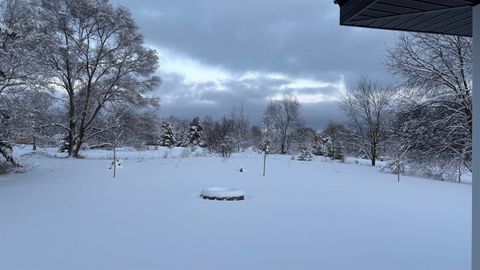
(217, 54)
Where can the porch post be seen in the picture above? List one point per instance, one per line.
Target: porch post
(476, 141)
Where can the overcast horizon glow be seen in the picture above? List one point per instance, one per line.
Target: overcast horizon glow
(218, 54)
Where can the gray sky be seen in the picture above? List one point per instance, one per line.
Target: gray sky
(216, 54)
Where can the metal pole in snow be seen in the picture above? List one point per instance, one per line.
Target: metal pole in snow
(264, 161)
(114, 150)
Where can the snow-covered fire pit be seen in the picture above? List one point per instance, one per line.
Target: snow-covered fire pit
(222, 194)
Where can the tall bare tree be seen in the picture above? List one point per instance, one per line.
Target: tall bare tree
(96, 55)
(438, 75)
(241, 125)
(366, 106)
(282, 119)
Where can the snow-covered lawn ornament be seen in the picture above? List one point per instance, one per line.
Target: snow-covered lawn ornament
(222, 194)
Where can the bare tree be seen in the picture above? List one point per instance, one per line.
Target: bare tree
(139, 127)
(399, 144)
(18, 43)
(241, 125)
(220, 137)
(281, 120)
(96, 54)
(366, 105)
(438, 73)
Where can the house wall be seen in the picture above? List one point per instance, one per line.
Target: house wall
(476, 141)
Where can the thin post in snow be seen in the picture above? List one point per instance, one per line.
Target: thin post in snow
(264, 161)
(114, 152)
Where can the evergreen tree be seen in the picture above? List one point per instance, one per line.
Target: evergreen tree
(305, 154)
(323, 146)
(64, 144)
(167, 138)
(338, 152)
(195, 132)
(328, 146)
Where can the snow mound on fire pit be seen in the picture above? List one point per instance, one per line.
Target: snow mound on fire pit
(222, 193)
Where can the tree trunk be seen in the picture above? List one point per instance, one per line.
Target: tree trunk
(398, 170)
(373, 157)
(77, 145)
(71, 131)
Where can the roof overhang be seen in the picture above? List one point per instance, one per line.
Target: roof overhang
(450, 17)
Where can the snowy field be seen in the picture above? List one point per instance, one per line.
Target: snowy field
(71, 214)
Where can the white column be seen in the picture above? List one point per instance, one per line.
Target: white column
(476, 142)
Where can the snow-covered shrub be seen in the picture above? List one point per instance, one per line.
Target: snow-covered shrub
(305, 154)
(323, 145)
(436, 169)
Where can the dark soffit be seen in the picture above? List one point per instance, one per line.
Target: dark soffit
(450, 17)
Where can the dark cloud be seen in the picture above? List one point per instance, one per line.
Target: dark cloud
(298, 38)
(187, 100)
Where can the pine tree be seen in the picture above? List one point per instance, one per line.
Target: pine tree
(328, 146)
(167, 138)
(305, 154)
(195, 132)
(338, 152)
(323, 146)
(64, 144)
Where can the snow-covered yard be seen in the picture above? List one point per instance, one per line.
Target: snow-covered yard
(71, 214)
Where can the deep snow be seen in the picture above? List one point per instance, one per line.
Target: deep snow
(71, 214)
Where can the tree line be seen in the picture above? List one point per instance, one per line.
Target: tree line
(424, 124)
(77, 75)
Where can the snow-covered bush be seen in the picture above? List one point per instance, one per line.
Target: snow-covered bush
(436, 169)
(305, 154)
(323, 145)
